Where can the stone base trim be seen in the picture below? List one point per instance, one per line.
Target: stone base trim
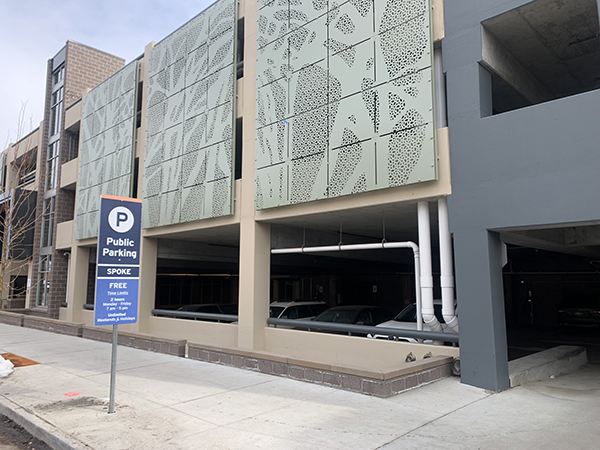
(11, 318)
(175, 347)
(355, 379)
(53, 325)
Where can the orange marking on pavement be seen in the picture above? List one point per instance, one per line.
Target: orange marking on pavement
(18, 361)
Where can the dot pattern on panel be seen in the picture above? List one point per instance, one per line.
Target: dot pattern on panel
(193, 205)
(105, 160)
(360, 185)
(362, 6)
(387, 85)
(191, 105)
(221, 194)
(405, 146)
(347, 160)
(396, 105)
(258, 199)
(304, 174)
(345, 24)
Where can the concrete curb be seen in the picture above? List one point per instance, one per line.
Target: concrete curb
(39, 427)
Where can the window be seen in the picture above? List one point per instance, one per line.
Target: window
(52, 165)
(56, 111)
(43, 281)
(18, 286)
(56, 100)
(58, 75)
(26, 167)
(48, 224)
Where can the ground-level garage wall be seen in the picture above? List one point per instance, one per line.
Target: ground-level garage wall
(346, 350)
(528, 167)
(217, 334)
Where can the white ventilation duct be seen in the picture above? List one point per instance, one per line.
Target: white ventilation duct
(427, 309)
(383, 245)
(446, 267)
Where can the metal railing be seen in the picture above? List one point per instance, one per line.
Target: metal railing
(226, 318)
(309, 325)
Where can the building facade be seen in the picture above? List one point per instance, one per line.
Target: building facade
(522, 109)
(75, 68)
(260, 129)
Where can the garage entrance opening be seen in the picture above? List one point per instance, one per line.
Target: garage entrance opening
(551, 299)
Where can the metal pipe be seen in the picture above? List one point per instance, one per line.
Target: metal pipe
(379, 246)
(363, 329)
(68, 256)
(346, 247)
(446, 268)
(427, 309)
(194, 315)
(113, 370)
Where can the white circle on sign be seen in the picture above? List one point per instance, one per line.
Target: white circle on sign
(120, 219)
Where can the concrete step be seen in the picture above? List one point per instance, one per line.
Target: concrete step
(546, 364)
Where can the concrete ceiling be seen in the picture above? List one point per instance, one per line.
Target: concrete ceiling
(556, 41)
(580, 240)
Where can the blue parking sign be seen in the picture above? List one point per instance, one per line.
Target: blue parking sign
(118, 261)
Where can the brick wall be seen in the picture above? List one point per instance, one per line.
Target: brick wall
(86, 68)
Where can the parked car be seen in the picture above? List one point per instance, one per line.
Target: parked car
(579, 310)
(210, 308)
(407, 320)
(303, 310)
(355, 314)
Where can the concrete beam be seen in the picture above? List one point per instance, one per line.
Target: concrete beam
(496, 58)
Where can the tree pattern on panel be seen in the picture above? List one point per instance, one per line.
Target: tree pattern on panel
(106, 153)
(189, 132)
(344, 98)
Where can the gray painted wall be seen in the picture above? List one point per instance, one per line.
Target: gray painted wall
(533, 166)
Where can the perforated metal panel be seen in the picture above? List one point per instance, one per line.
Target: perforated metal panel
(188, 169)
(344, 98)
(106, 153)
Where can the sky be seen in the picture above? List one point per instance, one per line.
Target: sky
(33, 31)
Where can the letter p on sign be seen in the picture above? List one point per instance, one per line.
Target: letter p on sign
(120, 219)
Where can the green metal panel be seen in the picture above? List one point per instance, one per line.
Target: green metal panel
(189, 150)
(107, 145)
(344, 98)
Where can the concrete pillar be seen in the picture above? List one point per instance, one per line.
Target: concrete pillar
(483, 351)
(78, 282)
(255, 272)
(255, 237)
(147, 290)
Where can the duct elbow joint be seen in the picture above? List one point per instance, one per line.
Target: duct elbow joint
(431, 321)
(451, 321)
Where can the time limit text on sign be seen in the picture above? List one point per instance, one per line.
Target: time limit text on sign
(118, 261)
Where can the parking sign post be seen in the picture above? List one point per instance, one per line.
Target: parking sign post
(117, 270)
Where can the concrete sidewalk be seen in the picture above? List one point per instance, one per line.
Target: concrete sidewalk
(166, 402)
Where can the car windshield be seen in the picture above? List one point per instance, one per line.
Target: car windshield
(338, 316)
(275, 311)
(409, 314)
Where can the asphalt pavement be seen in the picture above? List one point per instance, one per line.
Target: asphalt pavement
(165, 402)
